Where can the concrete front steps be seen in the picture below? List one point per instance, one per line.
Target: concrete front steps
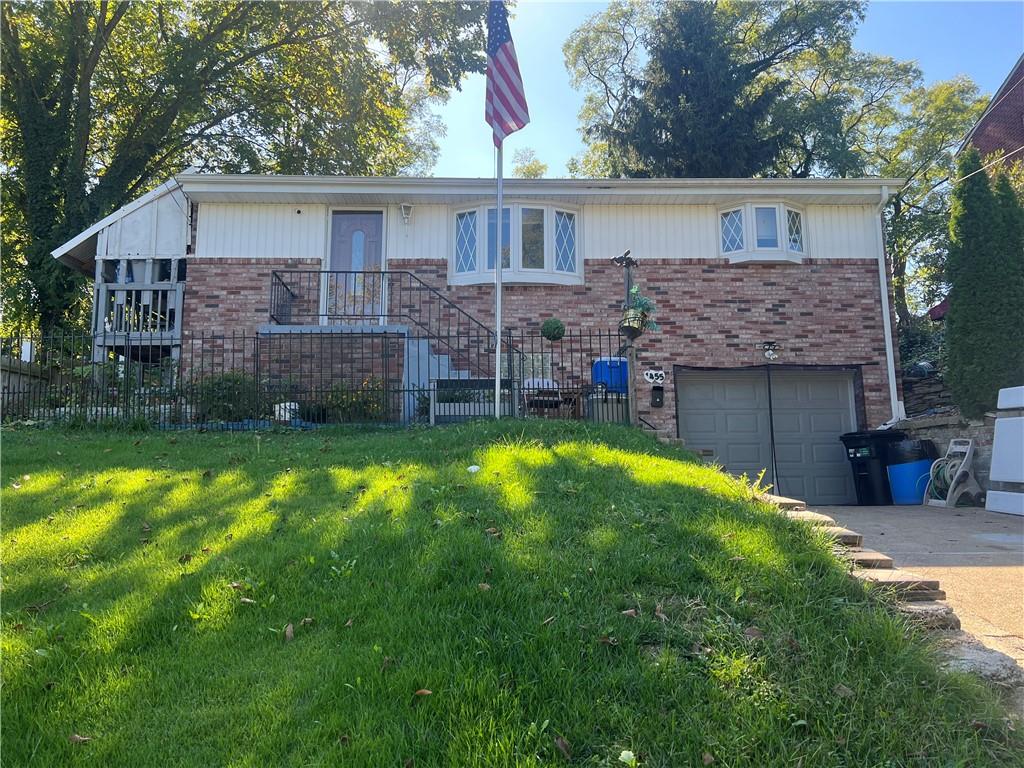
(874, 567)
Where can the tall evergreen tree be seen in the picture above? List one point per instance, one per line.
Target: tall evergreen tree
(1008, 296)
(699, 111)
(980, 316)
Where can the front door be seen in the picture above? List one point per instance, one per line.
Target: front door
(354, 285)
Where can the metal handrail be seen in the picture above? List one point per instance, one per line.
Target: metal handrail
(278, 277)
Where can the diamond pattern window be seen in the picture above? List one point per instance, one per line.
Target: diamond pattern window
(465, 242)
(795, 231)
(565, 241)
(732, 231)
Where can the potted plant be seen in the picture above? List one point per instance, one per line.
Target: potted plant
(552, 329)
(636, 317)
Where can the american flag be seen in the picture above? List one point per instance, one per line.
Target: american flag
(506, 111)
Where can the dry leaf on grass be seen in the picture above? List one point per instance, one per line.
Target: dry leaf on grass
(563, 746)
(607, 640)
(632, 613)
(707, 758)
(659, 613)
(237, 585)
(495, 532)
(74, 738)
(289, 633)
(247, 601)
(483, 586)
(753, 633)
(206, 550)
(547, 621)
(306, 621)
(842, 690)
(187, 557)
(348, 623)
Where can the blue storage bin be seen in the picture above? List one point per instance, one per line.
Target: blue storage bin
(613, 372)
(909, 481)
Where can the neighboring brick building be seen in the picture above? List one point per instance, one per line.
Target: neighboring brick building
(776, 323)
(1001, 126)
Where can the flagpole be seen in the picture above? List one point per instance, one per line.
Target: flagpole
(498, 262)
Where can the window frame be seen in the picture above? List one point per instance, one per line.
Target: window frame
(751, 251)
(516, 272)
(743, 229)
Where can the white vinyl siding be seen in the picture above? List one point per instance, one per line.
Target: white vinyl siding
(261, 231)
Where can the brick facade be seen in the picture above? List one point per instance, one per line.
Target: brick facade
(228, 296)
(824, 312)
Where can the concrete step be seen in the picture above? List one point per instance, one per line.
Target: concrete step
(923, 595)
(806, 516)
(844, 536)
(930, 614)
(783, 502)
(909, 586)
(866, 558)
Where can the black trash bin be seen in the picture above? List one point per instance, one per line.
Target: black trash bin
(869, 455)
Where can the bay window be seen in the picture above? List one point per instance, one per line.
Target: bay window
(541, 245)
(761, 232)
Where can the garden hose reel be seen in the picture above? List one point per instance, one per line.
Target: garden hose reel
(951, 477)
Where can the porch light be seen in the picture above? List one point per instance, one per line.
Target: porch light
(406, 210)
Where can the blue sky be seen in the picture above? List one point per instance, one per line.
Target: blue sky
(979, 39)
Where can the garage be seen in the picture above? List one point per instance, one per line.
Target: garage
(784, 421)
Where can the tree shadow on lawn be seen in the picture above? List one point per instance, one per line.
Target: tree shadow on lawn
(502, 592)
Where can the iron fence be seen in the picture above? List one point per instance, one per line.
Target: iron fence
(308, 377)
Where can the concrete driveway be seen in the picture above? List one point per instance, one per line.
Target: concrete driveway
(977, 556)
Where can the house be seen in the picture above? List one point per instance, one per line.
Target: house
(776, 328)
(1001, 126)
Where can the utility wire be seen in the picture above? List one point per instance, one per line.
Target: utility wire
(986, 166)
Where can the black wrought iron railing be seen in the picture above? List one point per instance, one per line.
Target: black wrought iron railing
(301, 379)
(381, 298)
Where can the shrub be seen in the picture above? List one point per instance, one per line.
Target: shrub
(365, 402)
(552, 329)
(230, 396)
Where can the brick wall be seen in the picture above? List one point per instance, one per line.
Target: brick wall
(824, 312)
(231, 295)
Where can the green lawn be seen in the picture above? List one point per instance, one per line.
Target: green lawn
(148, 580)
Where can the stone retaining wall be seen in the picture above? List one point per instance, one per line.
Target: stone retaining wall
(942, 428)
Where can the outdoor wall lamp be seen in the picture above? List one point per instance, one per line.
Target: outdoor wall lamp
(770, 349)
(406, 211)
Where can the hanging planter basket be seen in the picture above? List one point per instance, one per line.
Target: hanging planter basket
(633, 323)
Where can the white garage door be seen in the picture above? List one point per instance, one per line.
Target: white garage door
(724, 416)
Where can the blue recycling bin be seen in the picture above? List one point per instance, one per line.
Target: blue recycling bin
(909, 481)
(612, 372)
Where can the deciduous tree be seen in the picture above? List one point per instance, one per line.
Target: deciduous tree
(102, 99)
(525, 164)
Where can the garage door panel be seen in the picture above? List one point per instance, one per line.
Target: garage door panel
(790, 453)
(787, 423)
(726, 413)
(742, 423)
(747, 454)
(828, 423)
